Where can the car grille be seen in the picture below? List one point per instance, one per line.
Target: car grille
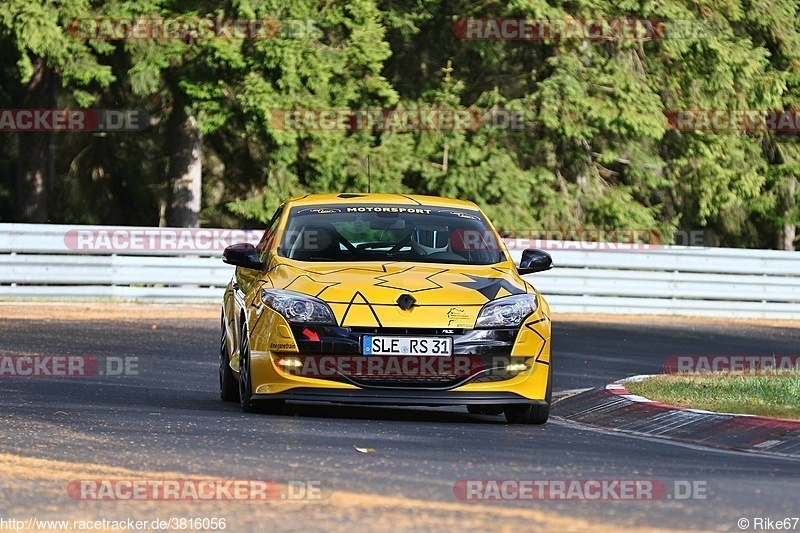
(439, 382)
(406, 331)
(479, 374)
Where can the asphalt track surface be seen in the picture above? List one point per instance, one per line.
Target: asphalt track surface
(169, 417)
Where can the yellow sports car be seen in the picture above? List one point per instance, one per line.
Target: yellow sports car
(385, 299)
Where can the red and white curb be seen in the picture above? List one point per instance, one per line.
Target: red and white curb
(613, 407)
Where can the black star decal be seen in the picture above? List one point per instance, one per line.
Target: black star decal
(409, 282)
(489, 287)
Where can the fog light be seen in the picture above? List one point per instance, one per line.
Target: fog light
(516, 367)
(290, 362)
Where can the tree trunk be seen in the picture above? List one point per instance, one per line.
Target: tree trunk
(787, 232)
(185, 168)
(35, 154)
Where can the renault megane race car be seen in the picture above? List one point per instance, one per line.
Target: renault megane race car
(385, 299)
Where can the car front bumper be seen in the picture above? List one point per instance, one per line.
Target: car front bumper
(484, 350)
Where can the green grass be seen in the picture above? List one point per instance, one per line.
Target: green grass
(768, 393)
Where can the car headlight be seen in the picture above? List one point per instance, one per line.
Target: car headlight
(507, 312)
(298, 308)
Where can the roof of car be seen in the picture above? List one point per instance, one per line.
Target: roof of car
(378, 198)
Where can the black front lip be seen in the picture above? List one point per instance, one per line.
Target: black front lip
(392, 397)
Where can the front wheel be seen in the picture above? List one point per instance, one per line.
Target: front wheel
(228, 388)
(249, 405)
(527, 413)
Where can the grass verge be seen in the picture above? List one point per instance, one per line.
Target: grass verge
(768, 393)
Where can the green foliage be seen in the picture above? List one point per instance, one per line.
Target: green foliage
(596, 149)
(39, 29)
(765, 392)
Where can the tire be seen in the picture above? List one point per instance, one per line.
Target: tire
(246, 401)
(532, 413)
(228, 387)
(485, 409)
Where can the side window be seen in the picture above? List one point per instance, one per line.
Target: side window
(269, 235)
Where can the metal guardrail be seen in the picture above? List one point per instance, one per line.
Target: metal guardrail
(44, 262)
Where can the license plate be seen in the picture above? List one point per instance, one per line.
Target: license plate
(380, 345)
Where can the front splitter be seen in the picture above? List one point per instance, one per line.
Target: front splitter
(394, 397)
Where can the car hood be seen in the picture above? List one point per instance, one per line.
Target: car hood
(370, 294)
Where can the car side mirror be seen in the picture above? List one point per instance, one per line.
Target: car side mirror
(534, 261)
(243, 255)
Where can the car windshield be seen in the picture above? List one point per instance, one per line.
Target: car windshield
(389, 233)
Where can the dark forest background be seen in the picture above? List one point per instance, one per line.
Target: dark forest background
(598, 151)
